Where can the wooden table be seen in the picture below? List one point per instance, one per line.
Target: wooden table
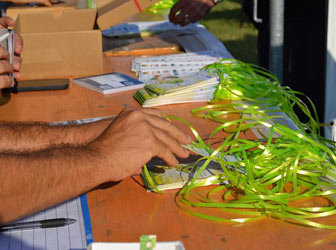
(124, 211)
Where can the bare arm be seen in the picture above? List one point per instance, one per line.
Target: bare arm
(42, 179)
(33, 137)
(32, 182)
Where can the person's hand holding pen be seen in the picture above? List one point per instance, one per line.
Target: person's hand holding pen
(5, 67)
(190, 11)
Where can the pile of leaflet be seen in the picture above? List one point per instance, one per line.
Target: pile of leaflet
(197, 87)
(149, 69)
(179, 78)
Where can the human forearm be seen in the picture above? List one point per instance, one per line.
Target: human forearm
(32, 182)
(42, 179)
(33, 137)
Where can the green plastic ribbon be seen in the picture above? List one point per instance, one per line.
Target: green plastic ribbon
(273, 175)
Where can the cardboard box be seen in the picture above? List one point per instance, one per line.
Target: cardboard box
(15, 9)
(112, 12)
(60, 44)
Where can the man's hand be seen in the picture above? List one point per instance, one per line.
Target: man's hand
(189, 11)
(5, 67)
(134, 138)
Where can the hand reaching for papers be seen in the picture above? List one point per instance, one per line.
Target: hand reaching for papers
(136, 136)
(189, 11)
(67, 161)
(5, 67)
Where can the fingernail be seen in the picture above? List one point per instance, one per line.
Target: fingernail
(186, 151)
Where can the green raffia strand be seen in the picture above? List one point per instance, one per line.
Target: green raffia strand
(150, 180)
(283, 166)
(161, 7)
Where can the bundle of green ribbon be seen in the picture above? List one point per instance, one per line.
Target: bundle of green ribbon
(273, 175)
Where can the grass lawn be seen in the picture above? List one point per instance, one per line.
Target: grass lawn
(227, 21)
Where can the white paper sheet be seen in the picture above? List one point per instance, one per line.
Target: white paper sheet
(71, 237)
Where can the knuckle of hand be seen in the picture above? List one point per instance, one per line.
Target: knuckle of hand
(18, 60)
(149, 142)
(136, 115)
(151, 139)
(144, 127)
(3, 52)
(4, 66)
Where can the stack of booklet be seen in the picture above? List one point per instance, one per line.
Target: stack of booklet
(109, 83)
(197, 87)
(149, 68)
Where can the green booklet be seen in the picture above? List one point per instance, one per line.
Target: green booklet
(147, 100)
(198, 87)
(172, 84)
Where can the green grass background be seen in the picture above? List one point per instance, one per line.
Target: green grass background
(227, 21)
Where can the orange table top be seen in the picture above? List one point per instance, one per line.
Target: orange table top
(122, 212)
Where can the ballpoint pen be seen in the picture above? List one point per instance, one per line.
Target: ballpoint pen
(37, 224)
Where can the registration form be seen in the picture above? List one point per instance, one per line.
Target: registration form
(75, 236)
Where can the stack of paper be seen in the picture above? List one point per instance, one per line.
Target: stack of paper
(143, 28)
(197, 87)
(149, 69)
(109, 83)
